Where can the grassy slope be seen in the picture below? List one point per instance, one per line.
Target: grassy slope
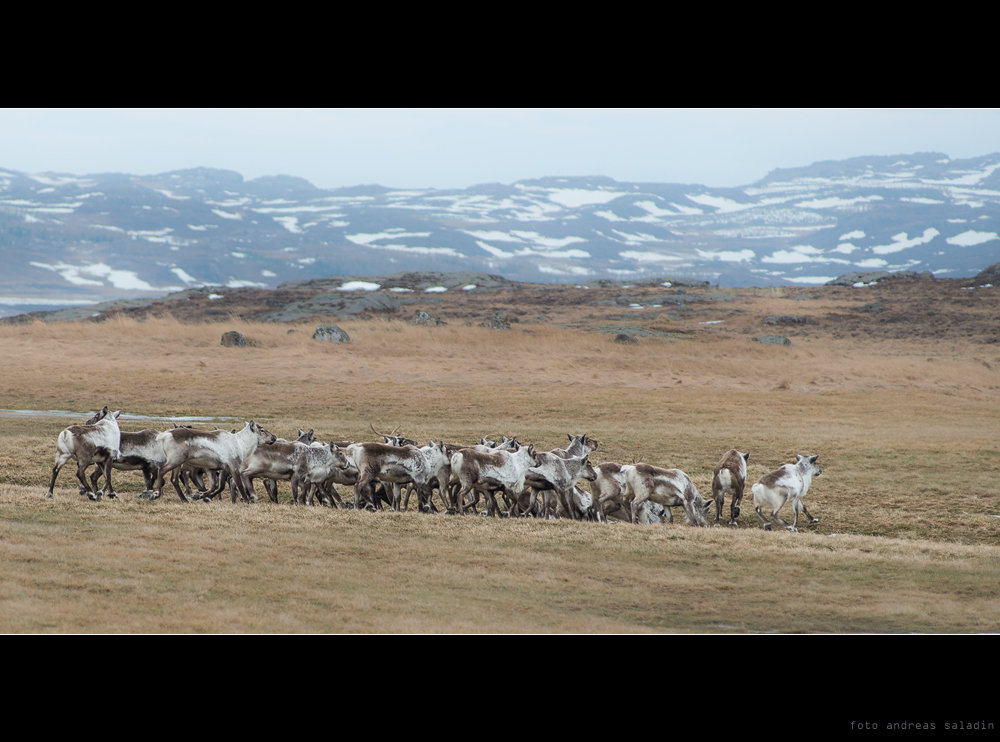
(908, 446)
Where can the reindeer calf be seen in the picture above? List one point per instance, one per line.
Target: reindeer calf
(729, 478)
(789, 482)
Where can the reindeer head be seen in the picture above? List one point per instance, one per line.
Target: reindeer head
(307, 438)
(263, 436)
(98, 417)
(340, 460)
(807, 464)
(588, 471)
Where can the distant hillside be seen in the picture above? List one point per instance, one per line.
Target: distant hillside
(67, 238)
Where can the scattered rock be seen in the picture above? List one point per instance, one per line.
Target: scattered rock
(331, 334)
(625, 339)
(499, 322)
(290, 331)
(802, 297)
(988, 275)
(773, 340)
(233, 339)
(787, 319)
(875, 307)
(423, 318)
(849, 279)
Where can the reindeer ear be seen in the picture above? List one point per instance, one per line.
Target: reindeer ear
(570, 437)
(105, 410)
(746, 456)
(812, 459)
(798, 458)
(117, 414)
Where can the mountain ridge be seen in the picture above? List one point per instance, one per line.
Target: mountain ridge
(113, 235)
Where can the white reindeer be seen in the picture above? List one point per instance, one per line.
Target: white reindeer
(789, 482)
(667, 487)
(215, 449)
(89, 444)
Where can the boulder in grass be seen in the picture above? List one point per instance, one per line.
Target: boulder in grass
(625, 339)
(773, 340)
(499, 322)
(423, 318)
(331, 334)
(787, 319)
(233, 339)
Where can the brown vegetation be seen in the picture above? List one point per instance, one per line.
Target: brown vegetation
(905, 429)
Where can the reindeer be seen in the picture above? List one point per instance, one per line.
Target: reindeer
(489, 472)
(267, 463)
(96, 443)
(315, 465)
(217, 449)
(558, 476)
(579, 446)
(788, 482)
(729, 477)
(139, 452)
(668, 487)
(396, 465)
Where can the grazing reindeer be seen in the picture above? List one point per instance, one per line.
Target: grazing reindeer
(89, 444)
(729, 477)
(668, 487)
(216, 449)
(608, 487)
(789, 482)
(557, 475)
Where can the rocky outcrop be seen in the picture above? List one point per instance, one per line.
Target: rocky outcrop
(331, 334)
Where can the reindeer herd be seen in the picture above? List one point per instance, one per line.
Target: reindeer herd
(530, 483)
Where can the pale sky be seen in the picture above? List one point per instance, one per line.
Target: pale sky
(460, 148)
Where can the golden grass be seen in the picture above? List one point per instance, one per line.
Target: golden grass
(908, 447)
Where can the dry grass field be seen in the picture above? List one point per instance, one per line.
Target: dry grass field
(906, 429)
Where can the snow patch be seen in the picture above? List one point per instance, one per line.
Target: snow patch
(648, 257)
(359, 286)
(435, 290)
(836, 202)
(902, 242)
(226, 214)
(573, 198)
(722, 205)
(234, 284)
(811, 279)
(972, 237)
(920, 200)
(183, 275)
(291, 223)
(847, 248)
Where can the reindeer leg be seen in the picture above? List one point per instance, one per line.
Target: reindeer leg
(61, 460)
(175, 480)
(734, 506)
(109, 488)
(808, 514)
(765, 521)
(272, 489)
(98, 471)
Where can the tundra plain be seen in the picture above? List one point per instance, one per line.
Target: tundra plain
(904, 418)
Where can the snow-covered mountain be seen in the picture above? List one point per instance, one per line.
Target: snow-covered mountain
(65, 237)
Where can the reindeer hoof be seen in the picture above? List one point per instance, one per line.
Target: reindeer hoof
(112, 495)
(767, 527)
(814, 520)
(793, 529)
